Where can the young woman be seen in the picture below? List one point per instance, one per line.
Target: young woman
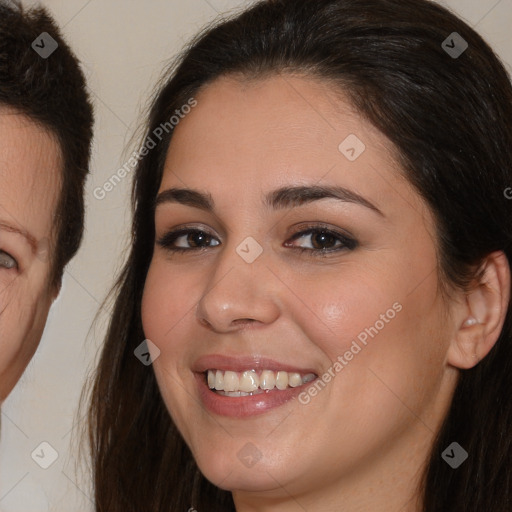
(319, 272)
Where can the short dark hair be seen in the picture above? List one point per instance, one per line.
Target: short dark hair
(51, 92)
(450, 122)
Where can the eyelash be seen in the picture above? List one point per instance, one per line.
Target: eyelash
(169, 238)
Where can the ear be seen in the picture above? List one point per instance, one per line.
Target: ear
(480, 318)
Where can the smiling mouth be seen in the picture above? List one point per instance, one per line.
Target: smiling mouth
(253, 382)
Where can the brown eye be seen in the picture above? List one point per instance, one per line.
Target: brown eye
(187, 240)
(323, 241)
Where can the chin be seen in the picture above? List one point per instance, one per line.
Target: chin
(231, 474)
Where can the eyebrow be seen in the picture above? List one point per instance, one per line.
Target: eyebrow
(25, 234)
(285, 197)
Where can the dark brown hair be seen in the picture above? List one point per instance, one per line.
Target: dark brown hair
(450, 122)
(51, 92)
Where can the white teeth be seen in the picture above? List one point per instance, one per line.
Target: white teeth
(282, 380)
(231, 383)
(239, 393)
(267, 380)
(219, 380)
(211, 380)
(294, 380)
(249, 381)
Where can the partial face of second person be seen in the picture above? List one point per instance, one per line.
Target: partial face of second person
(294, 308)
(30, 163)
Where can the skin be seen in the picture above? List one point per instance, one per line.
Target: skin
(365, 437)
(30, 163)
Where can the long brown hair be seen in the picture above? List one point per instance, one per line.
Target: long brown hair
(450, 121)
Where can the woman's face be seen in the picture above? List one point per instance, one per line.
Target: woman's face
(304, 283)
(30, 163)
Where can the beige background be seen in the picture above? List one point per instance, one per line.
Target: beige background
(123, 46)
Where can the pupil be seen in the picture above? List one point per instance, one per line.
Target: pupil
(323, 238)
(197, 238)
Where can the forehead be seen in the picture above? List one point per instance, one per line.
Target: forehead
(246, 136)
(30, 168)
(270, 124)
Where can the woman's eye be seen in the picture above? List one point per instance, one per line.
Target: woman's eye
(186, 240)
(7, 261)
(321, 241)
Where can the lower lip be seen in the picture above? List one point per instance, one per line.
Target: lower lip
(244, 406)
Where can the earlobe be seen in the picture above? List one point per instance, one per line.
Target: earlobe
(470, 321)
(483, 314)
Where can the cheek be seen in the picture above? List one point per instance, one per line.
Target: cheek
(336, 309)
(23, 313)
(167, 299)
(383, 343)
(18, 304)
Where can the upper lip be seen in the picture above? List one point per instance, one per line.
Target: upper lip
(244, 363)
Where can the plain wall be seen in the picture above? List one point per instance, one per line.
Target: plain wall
(124, 46)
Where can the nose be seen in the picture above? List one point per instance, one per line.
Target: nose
(239, 293)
